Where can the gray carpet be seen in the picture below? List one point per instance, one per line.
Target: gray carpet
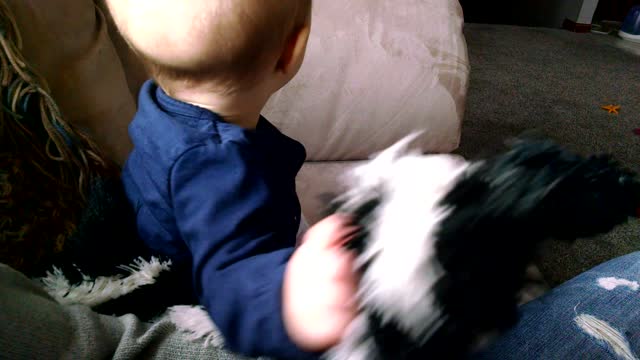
(553, 83)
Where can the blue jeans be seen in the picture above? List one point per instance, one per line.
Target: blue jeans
(596, 315)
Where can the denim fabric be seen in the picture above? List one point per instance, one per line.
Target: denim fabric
(548, 330)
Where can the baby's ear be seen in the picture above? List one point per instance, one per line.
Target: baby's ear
(294, 50)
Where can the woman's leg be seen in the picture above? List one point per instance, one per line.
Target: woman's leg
(593, 316)
(34, 326)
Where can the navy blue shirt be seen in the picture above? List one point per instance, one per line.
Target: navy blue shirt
(221, 199)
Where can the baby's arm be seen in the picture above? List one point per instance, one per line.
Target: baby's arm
(227, 217)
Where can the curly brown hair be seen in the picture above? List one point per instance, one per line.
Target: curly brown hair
(46, 165)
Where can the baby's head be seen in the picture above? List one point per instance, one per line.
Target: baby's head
(216, 45)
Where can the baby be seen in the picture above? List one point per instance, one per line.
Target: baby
(213, 182)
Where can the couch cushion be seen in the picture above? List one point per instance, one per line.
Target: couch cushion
(374, 71)
(318, 179)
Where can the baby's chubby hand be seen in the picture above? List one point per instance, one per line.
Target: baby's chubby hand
(320, 286)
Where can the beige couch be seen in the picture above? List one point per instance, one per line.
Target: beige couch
(375, 71)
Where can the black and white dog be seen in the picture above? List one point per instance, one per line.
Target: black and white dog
(445, 242)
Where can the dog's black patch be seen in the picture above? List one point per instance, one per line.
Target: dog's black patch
(503, 209)
(500, 210)
(362, 216)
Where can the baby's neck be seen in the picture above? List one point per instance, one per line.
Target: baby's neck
(242, 109)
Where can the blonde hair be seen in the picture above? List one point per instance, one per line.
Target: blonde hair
(195, 41)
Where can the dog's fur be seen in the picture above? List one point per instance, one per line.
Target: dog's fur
(445, 242)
